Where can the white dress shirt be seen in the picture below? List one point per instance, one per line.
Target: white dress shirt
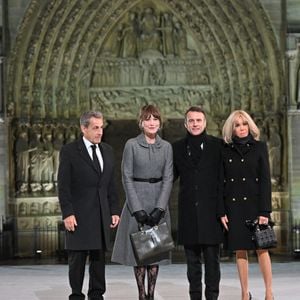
(88, 145)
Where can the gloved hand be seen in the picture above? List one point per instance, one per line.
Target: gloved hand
(155, 216)
(140, 216)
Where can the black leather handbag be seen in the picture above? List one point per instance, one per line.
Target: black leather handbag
(152, 242)
(263, 234)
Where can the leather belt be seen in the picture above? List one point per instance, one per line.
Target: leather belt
(150, 180)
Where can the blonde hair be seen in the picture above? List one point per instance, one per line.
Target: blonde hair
(228, 128)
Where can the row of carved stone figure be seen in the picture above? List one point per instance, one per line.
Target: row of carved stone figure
(146, 72)
(35, 208)
(37, 153)
(149, 30)
(37, 159)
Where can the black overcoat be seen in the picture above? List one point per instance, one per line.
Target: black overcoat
(247, 190)
(87, 194)
(199, 192)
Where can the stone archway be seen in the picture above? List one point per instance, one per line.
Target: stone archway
(72, 56)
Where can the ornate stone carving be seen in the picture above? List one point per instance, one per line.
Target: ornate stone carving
(36, 151)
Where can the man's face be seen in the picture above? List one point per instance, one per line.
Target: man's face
(94, 131)
(195, 122)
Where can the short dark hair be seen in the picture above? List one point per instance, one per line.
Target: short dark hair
(146, 112)
(86, 116)
(194, 108)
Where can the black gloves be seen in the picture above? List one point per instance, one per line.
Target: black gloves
(141, 216)
(155, 216)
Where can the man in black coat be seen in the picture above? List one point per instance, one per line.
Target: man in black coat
(197, 161)
(89, 204)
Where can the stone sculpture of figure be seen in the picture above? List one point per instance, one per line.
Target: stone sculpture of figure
(167, 34)
(274, 145)
(36, 152)
(129, 37)
(158, 73)
(71, 134)
(180, 41)
(57, 144)
(23, 209)
(22, 161)
(46, 210)
(150, 35)
(46, 163)
(34, 209)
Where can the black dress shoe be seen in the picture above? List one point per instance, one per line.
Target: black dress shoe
(250, 296)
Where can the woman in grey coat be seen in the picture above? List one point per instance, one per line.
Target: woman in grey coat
(147, 175)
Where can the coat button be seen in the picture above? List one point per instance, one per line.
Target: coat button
(232, 179)
(242, 160)
(196, 187)
(196, 204)
(233, 199)
(245, 198)
(244, 179)
(230, 160)
(256, 179)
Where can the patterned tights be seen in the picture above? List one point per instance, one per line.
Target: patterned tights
(140, 274)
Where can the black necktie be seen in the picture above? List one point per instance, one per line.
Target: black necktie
(95, 158)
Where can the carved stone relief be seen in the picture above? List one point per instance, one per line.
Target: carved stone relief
(36, 152)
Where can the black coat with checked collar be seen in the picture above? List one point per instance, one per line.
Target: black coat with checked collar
(200, 192)
(247, 190)
(88, 194)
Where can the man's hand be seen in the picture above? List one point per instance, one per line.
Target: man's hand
(115, 220)
(70, 223)
(224, 221)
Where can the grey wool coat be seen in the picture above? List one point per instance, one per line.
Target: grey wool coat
(143, 160)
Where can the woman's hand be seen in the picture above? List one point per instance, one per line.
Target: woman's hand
(263, 220)
(224, 221)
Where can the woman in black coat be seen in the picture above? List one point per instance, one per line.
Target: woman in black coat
(247, 194)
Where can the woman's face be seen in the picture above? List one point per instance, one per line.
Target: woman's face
(151, 125)
(241, 127)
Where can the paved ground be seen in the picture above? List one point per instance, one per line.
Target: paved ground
(49, 282)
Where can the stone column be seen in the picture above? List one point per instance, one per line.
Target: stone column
(293, 59)
(294, 165)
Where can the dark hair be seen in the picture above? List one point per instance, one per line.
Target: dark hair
(194, 108)
(146, 112)
(86, 116)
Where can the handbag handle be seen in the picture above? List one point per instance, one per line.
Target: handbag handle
(254, 224)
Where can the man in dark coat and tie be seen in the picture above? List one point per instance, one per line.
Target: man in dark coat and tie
(89, 204)
(197, 161)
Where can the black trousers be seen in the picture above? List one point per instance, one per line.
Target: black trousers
(211, 255)
(77, 261)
